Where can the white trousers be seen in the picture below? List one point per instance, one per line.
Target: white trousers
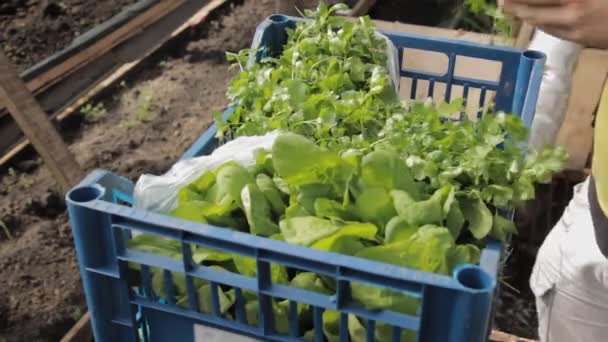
(570, 278)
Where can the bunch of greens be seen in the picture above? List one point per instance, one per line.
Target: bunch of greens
(486, 161)
(330, 83)
(364, 205)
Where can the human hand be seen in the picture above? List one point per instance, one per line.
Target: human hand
(580, 21)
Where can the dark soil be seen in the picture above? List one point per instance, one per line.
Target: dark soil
(39, 282)
(428, 12)
(147, 123)
(31, 30)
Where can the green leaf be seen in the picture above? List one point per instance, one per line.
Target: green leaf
(205, 212)
(501, 228)
(281, 185)
(455, 220)
(331, 325)
(463, 254)
(191, 211)
(398, 229)
(500, 195)
(311, 282)
(203, 183)
(375, 205)
(385, 169)
(331, 209)
(375, 298)
(296, 210)
(297, 93)
(306, 230)
(299, 161)
(257, 211)
(153, 244)
(231, 178)
(479, 217)
(430, 211)
(448, 109)
(201, 254)
(401, 200)
(271, 193)
(356, 330)
(360, 230)
(425, 250)
(247, 266)
(308, 195)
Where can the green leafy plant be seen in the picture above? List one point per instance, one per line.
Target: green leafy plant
(330, 82)
(93, 113)
(328, 201)
(145, 111)
(501, 24)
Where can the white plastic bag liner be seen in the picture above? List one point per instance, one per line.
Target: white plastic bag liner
(552, 102)
(393, 64)
(570, 278)
(159, 193)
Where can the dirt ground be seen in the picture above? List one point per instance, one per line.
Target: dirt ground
(31, 30)
(149, 122)
(142, 128)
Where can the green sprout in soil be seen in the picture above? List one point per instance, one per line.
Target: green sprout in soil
(93, 113)
(144, 112)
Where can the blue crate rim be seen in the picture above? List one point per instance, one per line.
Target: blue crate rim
(534, 54)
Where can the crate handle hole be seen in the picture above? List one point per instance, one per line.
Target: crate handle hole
(473, 277)
(533, 54)
(278, 18)
(85, 194)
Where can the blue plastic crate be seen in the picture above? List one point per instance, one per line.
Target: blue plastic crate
(456, 308)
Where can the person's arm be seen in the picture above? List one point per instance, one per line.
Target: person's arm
(581, 21)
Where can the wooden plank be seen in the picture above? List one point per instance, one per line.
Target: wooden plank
(123, 70)
(499, 336)
(72, 64)
(118, 62)
(103, 45)
(576, 133)
(81, 331)
(56, 86)
(36, 125)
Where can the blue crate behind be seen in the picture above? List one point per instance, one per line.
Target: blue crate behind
(456, 308)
